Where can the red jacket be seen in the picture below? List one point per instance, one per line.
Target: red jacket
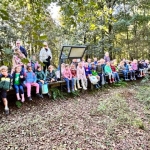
(113, 68)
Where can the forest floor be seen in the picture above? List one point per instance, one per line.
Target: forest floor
(114, 118)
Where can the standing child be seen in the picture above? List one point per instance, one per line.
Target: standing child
(109, 72)
(68, 78)
(141, 68)
(18, 80)
(5, 81)
(106, 57)
(33, 63)
(30, 80)
(81, 76)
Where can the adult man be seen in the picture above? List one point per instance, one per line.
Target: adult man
(45, 56)
(22, 49)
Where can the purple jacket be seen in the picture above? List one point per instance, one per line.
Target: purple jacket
(107, 58)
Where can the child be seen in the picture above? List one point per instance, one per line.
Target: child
(68, 78)
(108, 71)
(30, 80)
(100, 72)
(89, 62)
(135, 66)
(81, 76)
(106, 57)
(141, 68)
(95, 61)
(83, 62)
(5, 78)
(40, 76)
(18, 80)
(17, 57)
(33, 63)
(51, 76)
(74, 75)
(113, 68)
(124, 69)
(132, 72)
(87, 70)
(94, 73)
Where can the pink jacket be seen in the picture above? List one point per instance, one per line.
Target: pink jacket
(134, 66)
(67, 74)
(81, 73)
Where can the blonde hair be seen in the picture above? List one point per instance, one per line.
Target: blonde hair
(3, 68)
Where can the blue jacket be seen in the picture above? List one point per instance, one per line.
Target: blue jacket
(30, 77)
(87, 71)
(23, 50)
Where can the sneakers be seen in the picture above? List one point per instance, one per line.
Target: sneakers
(68, 90)
(29, 98)
(7, 111)
(39, 96)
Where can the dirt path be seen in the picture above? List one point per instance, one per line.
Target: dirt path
(80, 123)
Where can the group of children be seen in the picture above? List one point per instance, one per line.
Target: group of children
(76, 75)
(96, 71)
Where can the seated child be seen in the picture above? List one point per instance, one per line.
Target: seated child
(5, 77)
(74, 75)
(145, 64)
(94, 73)
(134, 65)
(18, 79)
(30, 80)
(113, 68)
(81, 76)
(51, 75)
(68, 78)
(40, 76)
(124, 69)
(95, 61)
(100, 71)
(141, 68)
(109, 72)
(132, 72)
(87, 70)
(89, 62)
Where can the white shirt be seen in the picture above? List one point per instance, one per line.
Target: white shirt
(45, 54)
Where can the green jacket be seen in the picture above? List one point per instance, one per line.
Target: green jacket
(107, 69)
(40, 75)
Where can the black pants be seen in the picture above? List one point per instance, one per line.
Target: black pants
(3, 93)
(46, 64)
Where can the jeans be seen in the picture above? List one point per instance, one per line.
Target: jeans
(132, 74)
(102, 80)
(116, 76)
(68, 83)
(125, 74)
(18, 88)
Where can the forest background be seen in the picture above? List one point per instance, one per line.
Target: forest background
(121, 27)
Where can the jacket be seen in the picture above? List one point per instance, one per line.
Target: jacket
(67, 74)
(44, 55)
(23, 50)
(40, 75)
(74, 73)
(51, 75)
(30, 77)
(87, 71)
(7, 79)
(113, 68)
(99, 69)
(108, 69)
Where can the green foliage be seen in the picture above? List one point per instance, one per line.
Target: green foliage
(121, 83)
(56, 94)
(18, 104)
